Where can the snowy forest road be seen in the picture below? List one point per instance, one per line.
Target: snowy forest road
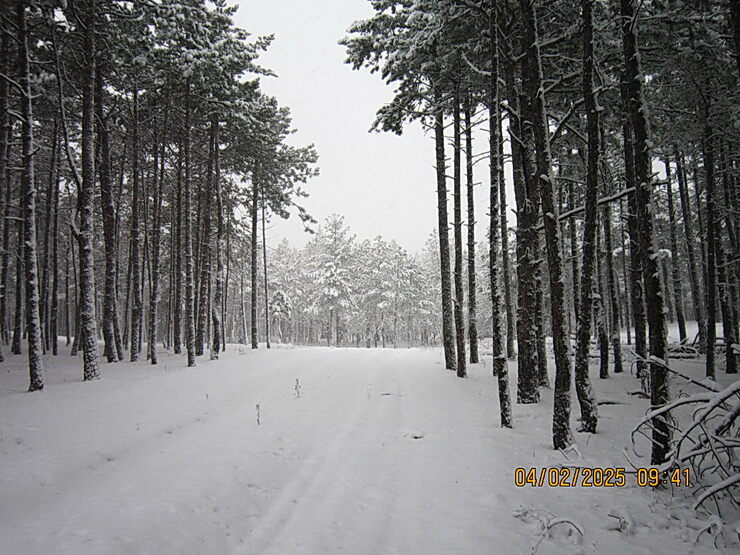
(356, 451)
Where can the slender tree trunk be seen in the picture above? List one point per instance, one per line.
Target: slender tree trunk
(205, 253)
(472, 312)
(109, 228)
(4, 176)
(46, 258)
(534, 88)
(264, 271)
(726, 271)
(5, 257)
(696, 289)
(177, 255)
(33, 322)
(15, 347)
(188, 231)
(157, 182)
(711, 265)
(54, 310)
(254, 210)
(543, 379)
(659, 390)
(500, 367)
(217, 310)
(135, 259)
(675, 269)
(85, 236)
(589, 412)
(600, 313)
(459, 301)
(508, 297)
(623, 259)
(612, 288)
(527, 202)
(448, 330)
(635, 273)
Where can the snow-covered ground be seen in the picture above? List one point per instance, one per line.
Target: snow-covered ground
(356, 451)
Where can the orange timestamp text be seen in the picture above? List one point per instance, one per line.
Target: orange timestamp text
(608, 477)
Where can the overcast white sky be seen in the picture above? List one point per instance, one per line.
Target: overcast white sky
(382, 184)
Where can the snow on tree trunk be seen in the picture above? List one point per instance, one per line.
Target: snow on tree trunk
(659, 385)
(108, 209)
(218, 298)
(264, 271)
(589, 411)
(527, 203)
(612, 289)
(459, 301)
(635, 272)
(188, 232)
(472, 312)
(675, 269)
(85, 204)
(500, 367)
(177, 256)
(33, 321)
(695, 284)
(254, 210)
(204, 283)
(157, 178)
(534, 89)
(448, 330)
(135, 256)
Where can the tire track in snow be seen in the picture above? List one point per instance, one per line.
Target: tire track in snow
(333, 503)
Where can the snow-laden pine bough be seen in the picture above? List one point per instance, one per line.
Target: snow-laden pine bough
(708, 442)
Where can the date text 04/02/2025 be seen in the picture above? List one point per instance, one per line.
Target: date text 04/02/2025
(609, 477)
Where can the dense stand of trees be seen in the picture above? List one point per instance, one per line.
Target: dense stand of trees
(132, 136)
(138, 158)
(604, 113)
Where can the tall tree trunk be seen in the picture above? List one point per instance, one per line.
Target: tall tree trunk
(612, 288)
(527, 203)
(625, 279)
(506, 273)
(157, 183)
(46, 258)
(188, 231)
(589, 412)
(472, 312)
(659, 391)
(135, 259)
(726, 269)
(108, 208)
(4, 176)
(254, 209)
(459, 301)
(600, 316)
(500, 367)
(264, 272)
(33, 322)
(177, 255)
(85, 236)
(218, 308)
(5, 257)
(15, 347)
(533, 85)
(205, 253)
(448, 329)
(675, 269)
(696, 292)
(54, 310)
(711, 284)
(635, 273)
